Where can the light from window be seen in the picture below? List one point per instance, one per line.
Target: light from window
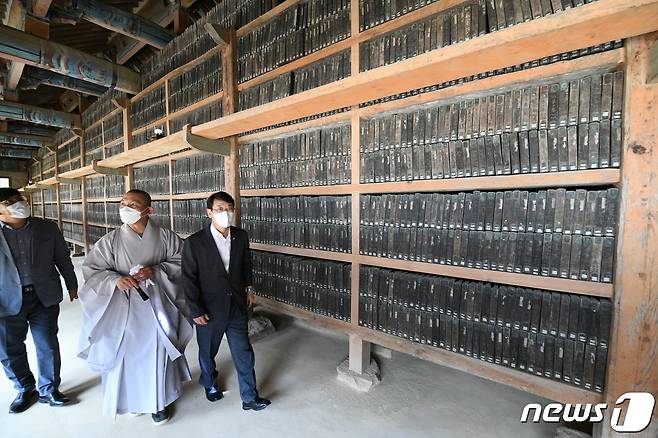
(4, 182)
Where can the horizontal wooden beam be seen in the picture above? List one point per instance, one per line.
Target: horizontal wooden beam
(595, 23)
(42, 116)
(34, 77)
(36, 141)
(6, 151)
(124, 22)
(38, 52)
(603, 290)
(157, 12)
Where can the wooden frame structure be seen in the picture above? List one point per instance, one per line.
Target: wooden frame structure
(633, 364)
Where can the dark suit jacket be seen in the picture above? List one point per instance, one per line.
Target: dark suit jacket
(208, 287)
(50, 255)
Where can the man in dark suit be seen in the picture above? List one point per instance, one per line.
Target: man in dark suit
(33, 254)
(217, 280)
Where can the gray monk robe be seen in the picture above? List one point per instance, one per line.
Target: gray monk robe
(138, 346)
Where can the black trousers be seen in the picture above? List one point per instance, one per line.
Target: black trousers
(209, 337)
(42, 322)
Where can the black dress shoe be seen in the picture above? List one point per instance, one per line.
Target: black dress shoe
(257, 405)
(214, 393)
(160, 418)
(55, 399)
(23, 401)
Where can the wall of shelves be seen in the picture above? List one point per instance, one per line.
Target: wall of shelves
(541, 56)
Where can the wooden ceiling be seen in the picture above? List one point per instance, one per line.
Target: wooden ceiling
(70, 30)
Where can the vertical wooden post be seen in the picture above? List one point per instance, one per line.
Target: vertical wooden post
(359, 349)
(230, 105)
(43, 201)
(58, 193)
(633, 357)
(181, 20)
(128, 143)
(83, 192)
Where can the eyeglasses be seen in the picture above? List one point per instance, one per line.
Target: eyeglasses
(222, 209)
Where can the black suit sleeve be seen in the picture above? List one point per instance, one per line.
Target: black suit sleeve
(63, 258)
(191, 281)
(246, 262)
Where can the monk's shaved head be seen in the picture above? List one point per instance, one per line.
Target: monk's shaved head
(144, 197)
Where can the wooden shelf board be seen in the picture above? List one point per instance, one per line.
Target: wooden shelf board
(332, 119)
(602, 290)
(96, 200)
(543, 387)
(596, 23)
(70, 140)
(78, 173)
(50, 181)
(580, 178)
(197, 195)
(604, 61)
(196, 105)
(341, 189)
(160, 121)
(156, 148)
(93, 224)
(323, 321)
(71, 221)
(112, 143)
(263, 19)
(160, 197)
(75, 242)
(303, 252)
(176, 72)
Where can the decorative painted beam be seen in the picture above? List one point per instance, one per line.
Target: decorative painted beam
(31, 50)
(41, 116)
(123, 22)
(10, 152)
(29, 129)
(24, 140)
(157, 12)
(34, 77)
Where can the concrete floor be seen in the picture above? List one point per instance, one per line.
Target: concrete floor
(296, 369)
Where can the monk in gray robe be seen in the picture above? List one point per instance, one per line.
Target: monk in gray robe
(134, 331)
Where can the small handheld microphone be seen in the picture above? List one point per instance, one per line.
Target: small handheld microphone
(142, 293)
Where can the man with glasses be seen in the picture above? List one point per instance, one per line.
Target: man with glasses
(217, 279)
(33, 255)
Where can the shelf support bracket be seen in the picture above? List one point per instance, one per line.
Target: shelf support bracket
(203, 144)
(77, 132)
(108, 170)
(121, 103)
(217, 33)
(51, 148)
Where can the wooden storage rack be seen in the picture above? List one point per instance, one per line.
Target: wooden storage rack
(633, 351)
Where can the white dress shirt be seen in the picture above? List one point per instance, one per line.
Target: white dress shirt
(223, 245)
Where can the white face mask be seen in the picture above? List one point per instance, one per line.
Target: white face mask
(129, 215)
(223, 219)
(19, 210)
